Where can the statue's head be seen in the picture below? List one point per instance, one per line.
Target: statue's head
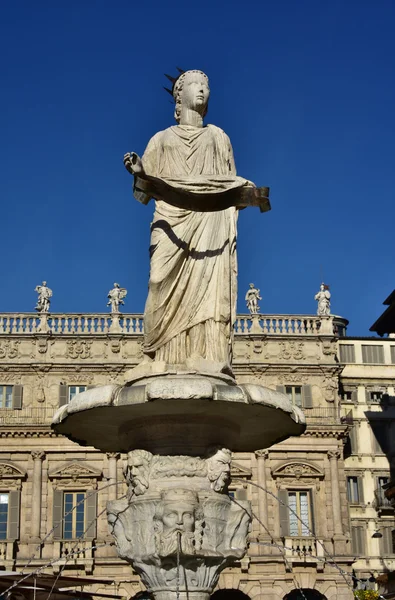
(44, 283)
(136, 471)
(218, 468)
(178, 511)
(116, 285)
(192, 90)
(252, 286)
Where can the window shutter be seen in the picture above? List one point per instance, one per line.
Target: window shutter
(14, 509)
(284, 513)
(354, 396)
(307, 396)
(280, 388)
(367, 395)
(354, 440)
(392, 354)
(361, 540)
(17, 393)
(312, 513)
(358, 540)
(91, 514)
(57, 514)
(386, 541)
(360, 490)
(63, 394)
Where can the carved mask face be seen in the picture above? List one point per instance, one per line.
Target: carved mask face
(138, 473)
(179, 517)
(195, 92)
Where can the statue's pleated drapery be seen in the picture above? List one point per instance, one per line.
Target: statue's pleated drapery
(191, 302)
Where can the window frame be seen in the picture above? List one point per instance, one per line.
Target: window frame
(358, 487)
(16, 396)
(6, 521)
(285, 512)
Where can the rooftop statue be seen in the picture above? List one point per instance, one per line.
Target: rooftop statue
(44, 297)
(190, 171)
(324, 300)
(252, 297)
(116, 296)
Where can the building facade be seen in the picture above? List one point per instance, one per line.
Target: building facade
(53, 492)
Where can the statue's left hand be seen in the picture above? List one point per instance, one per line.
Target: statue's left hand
(133, 163)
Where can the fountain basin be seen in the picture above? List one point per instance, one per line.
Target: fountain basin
(179, 415)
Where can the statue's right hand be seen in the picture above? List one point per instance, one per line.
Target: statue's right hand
(133, 163)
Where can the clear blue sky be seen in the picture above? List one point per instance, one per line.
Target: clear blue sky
(306, 91)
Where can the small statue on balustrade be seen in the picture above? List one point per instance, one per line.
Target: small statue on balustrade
(116, 296)
(44, 297)
(323, 298)
(252, 297)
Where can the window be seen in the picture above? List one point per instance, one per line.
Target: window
(380, 498)
(300, 395)
(11, 396)
(4, 501)
(75, 389)
(354, 490)
(374, 396)
(347, 353)
(294, 393)
(358, 540)
(387, 542)
(372, 354)
(296, 513)
(348, 394)
(74, 515)
(9, 515)
(299, 503)
(67, 392)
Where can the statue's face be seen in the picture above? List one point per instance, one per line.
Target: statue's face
(138, 471)
(195, 92)
(178, 517)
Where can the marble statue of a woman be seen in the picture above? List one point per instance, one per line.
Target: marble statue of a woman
(190, 171)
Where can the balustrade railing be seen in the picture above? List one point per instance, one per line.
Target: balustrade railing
(30, 415)
(322, 414)
(132, 324)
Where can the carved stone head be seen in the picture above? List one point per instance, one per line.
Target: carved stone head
(218, 468)
(137, 470)
(191, 90)
(177, 522)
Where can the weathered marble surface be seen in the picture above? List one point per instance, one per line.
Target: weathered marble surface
(189, 169)
(177, 526)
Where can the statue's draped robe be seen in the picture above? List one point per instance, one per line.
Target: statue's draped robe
(191, 302)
